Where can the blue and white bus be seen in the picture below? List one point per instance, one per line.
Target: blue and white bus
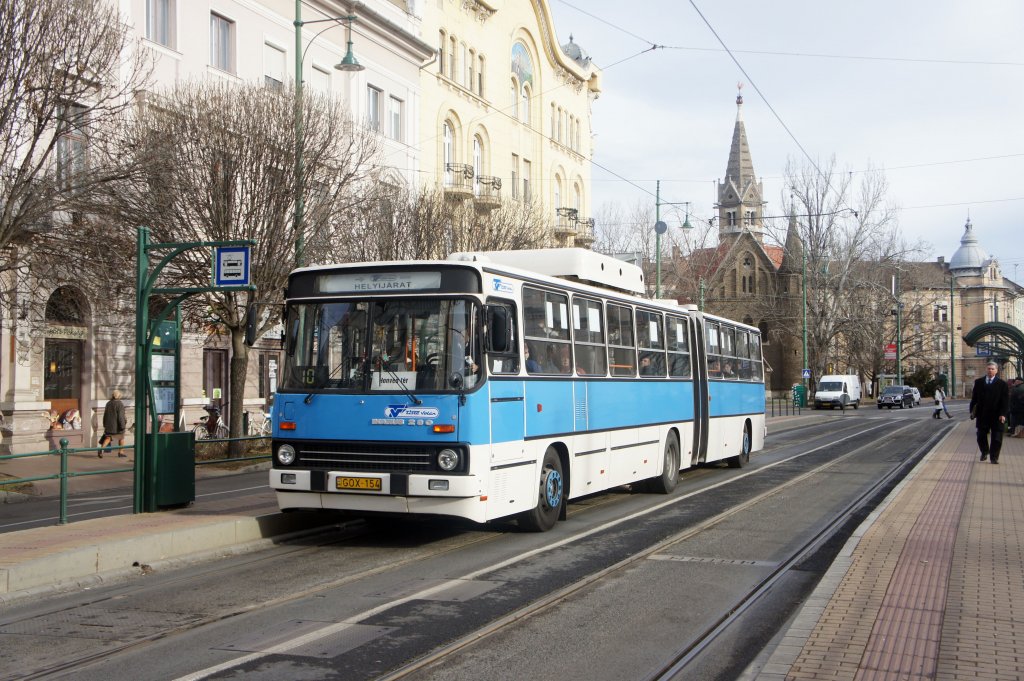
(501, 384)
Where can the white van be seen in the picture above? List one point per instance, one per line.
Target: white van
(838, 391)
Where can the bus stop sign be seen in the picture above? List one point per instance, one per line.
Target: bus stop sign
(231, 266)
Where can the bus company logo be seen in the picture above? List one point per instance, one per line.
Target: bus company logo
(501, 286)
(396, 411)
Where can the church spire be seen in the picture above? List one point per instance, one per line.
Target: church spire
(741, 165)
(739, 195)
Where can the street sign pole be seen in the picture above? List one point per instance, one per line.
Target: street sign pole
(146, 461)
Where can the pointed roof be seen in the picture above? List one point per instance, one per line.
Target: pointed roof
(740, 168)
(792, 261)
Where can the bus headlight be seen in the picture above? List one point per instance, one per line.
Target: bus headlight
(448, 459)
(286, 455)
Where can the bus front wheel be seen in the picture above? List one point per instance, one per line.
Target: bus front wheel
(669, 478)
(550, 497)
(743, 458)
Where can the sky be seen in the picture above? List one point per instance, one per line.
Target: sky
(929, 92)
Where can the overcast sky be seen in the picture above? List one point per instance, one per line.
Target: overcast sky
(928, 91)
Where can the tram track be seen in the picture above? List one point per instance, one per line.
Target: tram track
(678, 659)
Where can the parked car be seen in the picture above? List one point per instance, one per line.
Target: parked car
(896, 396)
(917, 395)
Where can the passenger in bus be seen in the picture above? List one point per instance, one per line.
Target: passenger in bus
(714, 367)
(564, 361)
(645, 366)
(532, 365)
(727, 370)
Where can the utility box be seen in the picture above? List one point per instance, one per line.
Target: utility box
(799, 396)
(175, 467)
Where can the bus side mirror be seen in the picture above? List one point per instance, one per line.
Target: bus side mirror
(499, 329)
(251, 321)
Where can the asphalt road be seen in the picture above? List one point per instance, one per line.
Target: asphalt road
(612, 593)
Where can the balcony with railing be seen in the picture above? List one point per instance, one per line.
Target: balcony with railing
(584, 232)
(487, 192)
(458, 181)
(565, 222)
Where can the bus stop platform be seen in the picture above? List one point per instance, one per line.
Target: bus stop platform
(930, 585)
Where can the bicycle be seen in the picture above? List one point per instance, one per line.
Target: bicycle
(260, 425)
(202, 428)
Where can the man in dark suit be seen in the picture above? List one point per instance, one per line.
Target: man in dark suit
(990, 402)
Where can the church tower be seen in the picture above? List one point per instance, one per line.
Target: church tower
(740, 202)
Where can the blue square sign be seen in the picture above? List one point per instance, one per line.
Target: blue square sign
(231, 266)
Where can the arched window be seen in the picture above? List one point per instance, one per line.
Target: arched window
(576, 198)
(448, 153)
(513, 98)
(452, 44)
(63, 307)
(554, 121)
(478, 163)
(558, 197)
(522, 81)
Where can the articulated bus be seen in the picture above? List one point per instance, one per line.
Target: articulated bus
(501, 384)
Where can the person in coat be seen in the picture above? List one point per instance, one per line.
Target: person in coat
(990, 403)
(114, 423)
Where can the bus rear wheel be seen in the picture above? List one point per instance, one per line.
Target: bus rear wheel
(743, 458)
(550, 497)
(669, 478)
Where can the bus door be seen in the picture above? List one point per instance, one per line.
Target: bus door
(701, 407)
(507, 416)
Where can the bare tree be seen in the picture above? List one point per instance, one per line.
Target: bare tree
(394, 222)
(846, 231)
(69, 72)
(219, 165)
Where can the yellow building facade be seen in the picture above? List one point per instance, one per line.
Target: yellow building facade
(506, 112)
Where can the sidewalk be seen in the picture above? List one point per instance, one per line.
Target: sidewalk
(929, 587)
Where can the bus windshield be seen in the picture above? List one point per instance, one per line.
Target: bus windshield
(390, 345)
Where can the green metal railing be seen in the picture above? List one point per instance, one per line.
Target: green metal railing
(64, 474)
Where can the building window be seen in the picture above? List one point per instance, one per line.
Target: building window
(160, 21)
(448, 153)
(942, 343)
(526, 105)
(939, 314)
(72, 143)
(480, 78)
(222, 43)
(731, 218)
(513, 98)
(320, 79)
(526, 181)
(451, 57)
(273, 66)
(515, 176)
(442, 45)
(558, 199)
(395, 119)
(478, 163)
(467, 68)
(373, 96)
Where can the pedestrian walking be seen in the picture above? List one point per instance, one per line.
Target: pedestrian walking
(940, 404)
(1017, 408)
(990, 404)
(114, 423)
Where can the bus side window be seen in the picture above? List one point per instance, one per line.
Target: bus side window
(621, 349)
(678, 347)
(502, 338)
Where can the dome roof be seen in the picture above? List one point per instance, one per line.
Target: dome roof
(576, 53)
(970, 258)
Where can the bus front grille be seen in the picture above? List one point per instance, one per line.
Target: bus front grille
(361, 457)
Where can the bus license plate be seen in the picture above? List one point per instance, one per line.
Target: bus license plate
(367, 484)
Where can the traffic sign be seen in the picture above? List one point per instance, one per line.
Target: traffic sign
(983, 349)
(231, 266)
(807, 373)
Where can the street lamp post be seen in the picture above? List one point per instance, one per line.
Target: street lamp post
(660, 228)
(952, 344)
(348, 64)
